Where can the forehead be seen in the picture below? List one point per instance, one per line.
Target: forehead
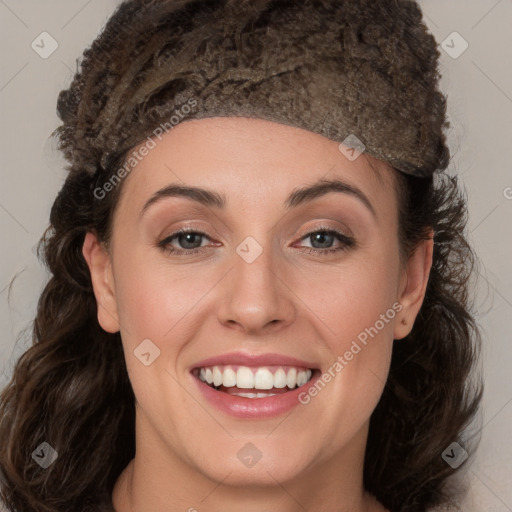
(251, 162)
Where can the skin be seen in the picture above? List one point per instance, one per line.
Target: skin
(288, 301)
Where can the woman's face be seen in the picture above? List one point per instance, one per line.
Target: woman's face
(254, 297)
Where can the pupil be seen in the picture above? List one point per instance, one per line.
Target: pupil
(187, 240)
(324, 239)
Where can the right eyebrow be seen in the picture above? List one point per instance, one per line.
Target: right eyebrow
(201, 195)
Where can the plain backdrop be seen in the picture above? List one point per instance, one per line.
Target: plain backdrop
(478, 84)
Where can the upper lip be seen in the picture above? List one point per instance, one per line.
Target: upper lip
(254, 360)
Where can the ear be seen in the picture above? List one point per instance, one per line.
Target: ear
(413, 284)
(100, 267)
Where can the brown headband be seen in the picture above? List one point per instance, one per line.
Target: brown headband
(364, 70)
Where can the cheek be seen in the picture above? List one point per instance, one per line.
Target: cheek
(350, 296)
(354, 307)
(355, 316)
(153, 297)
(156, 302)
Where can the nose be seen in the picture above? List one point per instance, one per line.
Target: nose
(256, 299)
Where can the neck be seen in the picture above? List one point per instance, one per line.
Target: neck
(160, 481)
(127, 499)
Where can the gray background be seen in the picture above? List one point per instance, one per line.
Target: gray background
(478, 84)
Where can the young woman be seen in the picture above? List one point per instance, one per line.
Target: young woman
(259, 292)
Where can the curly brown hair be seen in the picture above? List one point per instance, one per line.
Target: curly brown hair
(71, 387)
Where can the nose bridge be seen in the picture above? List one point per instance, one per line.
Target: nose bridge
(254, 267)
(255, 295)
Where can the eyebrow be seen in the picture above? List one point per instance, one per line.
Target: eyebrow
(323, 187)
(297, 197)
(200, 195)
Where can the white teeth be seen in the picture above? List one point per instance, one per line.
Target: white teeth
(217, 376)
(251, 378)
(254, 395)
(244, 378)
(229, 379)
(280, 379)
(291, 378)
(263, 379)
(302, 378)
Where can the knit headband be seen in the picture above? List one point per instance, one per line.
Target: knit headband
(360, 72)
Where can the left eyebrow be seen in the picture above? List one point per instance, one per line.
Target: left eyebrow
(322, 187)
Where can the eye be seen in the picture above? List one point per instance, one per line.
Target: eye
(322, 241)
(187, 240)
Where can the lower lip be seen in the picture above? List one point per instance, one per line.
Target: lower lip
(255, 408)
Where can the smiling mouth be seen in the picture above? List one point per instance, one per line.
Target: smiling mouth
(253, 382)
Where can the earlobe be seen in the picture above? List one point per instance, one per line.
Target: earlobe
(412, 291)
(100, 267)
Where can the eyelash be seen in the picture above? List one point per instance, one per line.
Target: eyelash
(347, 242)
